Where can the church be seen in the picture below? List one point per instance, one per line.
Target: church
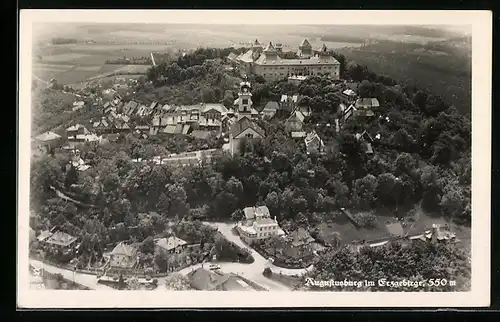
(267, 62)
(244, 128)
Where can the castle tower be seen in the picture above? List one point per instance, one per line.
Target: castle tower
(305, 49)
(245, 101)
(270, 52)
(256, 49)
(323, 51)
(279, 47)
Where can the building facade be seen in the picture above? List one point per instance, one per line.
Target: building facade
(258, 225)
(267, 62)
(244, 128)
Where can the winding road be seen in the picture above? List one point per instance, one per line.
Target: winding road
(86, 280)
(251, 271)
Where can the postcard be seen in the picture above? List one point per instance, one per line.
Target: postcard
(186, 158)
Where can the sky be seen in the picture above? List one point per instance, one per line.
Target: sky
(256, 17)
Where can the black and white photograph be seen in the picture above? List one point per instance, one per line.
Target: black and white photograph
(325, 155)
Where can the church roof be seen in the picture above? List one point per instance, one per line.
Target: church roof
(256, 43)
(305, 43)
(243, 124)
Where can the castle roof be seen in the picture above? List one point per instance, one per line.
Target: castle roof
(305, 43)
(256, 43)
(269, 48)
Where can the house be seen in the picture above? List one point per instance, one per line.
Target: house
(142, 128)
(366, 103)
(205, 280)
(171, 244)
(44, 235)
(366, 141)
(213, 111)
(209, 124)
(295, 122)
(289, 102)
(314, 144)
(123, 256)
(257, 225)
(78, 105)
(241, 130)
(48, 141)
(130, 108)
(61, 240)
(270, 109)
(299, 244)
(76, 131)
(437, 234)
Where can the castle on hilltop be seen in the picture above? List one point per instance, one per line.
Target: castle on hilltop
(267, 62)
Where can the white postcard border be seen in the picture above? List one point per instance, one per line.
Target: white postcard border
(481, 22)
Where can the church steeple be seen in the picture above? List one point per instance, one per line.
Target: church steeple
(245, 100)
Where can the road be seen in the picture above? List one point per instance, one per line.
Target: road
(87, 280)
(227, 230)
(251, 271)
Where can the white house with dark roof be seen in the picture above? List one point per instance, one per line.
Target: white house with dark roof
(123, 256)
(258, 224)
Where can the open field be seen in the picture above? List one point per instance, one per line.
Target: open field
(415, 225)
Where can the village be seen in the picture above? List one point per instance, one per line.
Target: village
(277, 258)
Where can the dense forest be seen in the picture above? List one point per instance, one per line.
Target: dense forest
(442, 67)
(423, 156)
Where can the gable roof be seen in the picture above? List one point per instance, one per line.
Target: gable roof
(298, 115)
(60, 238)
(76, 127)
(300, 237)
(241, 125)
(44, 235)
(218, 107)
(367, 102)
(271, 105)
(205, 280)
(305, 43)
(310, 137)
(124, 249)
(170, 242)
(250, 212)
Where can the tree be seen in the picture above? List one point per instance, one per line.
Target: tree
(386, 192)
(177, 282)
(364, 191)
(365, 89)
(148, 245)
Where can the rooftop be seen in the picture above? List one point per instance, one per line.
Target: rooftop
(170, 242)
(124, 249)
(61, 239)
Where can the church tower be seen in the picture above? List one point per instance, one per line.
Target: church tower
(245, 101)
